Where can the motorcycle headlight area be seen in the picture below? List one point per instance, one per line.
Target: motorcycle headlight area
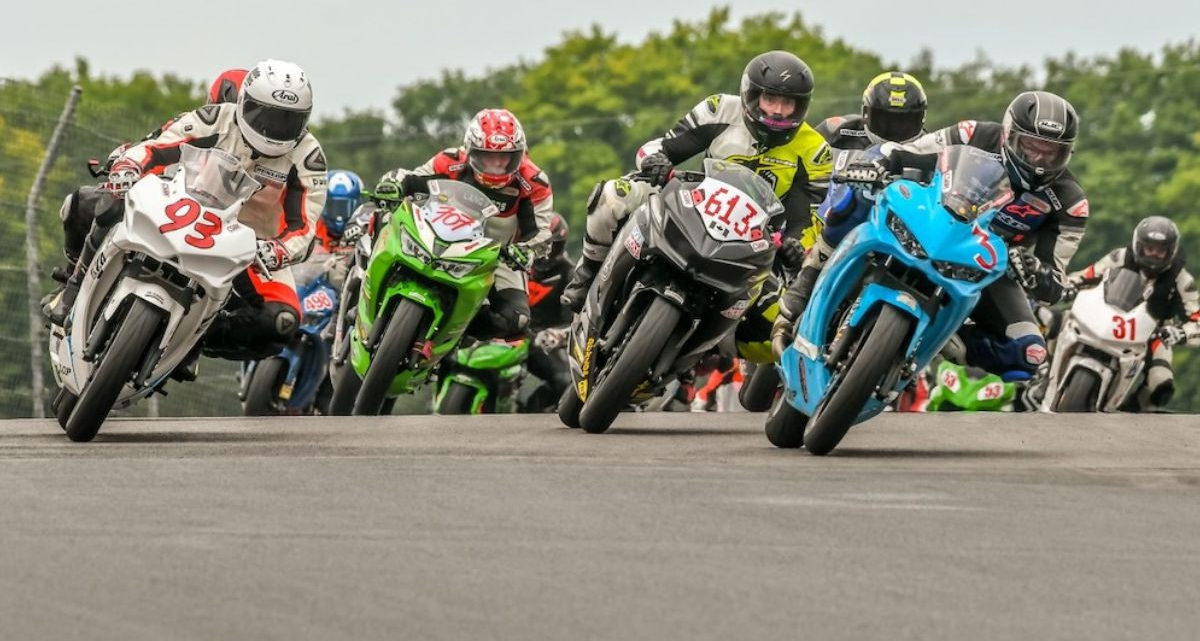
(456, 268)
(907, 239)
(956, 271)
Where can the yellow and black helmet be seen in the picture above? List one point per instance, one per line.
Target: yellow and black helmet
(893, 107)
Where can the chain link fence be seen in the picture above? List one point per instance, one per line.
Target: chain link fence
(28, 116)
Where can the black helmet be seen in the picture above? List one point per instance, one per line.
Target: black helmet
(1039, 136)
(1155, 244)
(893, 107)
(782, 74)
(558, 245)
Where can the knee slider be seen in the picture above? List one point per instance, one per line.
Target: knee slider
(278, 321)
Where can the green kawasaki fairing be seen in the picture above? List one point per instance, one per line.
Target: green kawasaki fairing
(435, 252)
(496, 362)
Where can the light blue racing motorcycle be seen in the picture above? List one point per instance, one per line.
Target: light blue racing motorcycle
(895, 291)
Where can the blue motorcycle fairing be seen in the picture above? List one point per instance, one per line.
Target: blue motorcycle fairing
(937, 314)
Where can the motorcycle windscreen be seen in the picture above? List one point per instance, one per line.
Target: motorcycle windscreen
(1123, 289)
(457, 211)
(214, 177)
(973, 182)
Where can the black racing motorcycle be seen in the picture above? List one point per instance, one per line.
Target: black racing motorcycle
(682, 272)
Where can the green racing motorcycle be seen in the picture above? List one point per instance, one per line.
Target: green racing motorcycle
(430, 270)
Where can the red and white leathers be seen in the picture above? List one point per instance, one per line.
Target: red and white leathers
(526, 203)
(526, 207)
(285, 209)
(1173, 297)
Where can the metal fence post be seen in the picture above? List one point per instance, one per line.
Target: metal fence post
(31, 254)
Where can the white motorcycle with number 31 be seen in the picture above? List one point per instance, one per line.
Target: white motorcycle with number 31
(1100, 356)
(155, 285)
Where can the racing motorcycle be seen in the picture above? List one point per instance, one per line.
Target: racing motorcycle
(682, 272)
(895, 291)
(156, 283)
(1100, 355)
(483, 378)
(430, 270)
(296, 380)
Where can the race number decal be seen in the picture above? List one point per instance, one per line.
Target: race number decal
(729, 214)
(186, 212)
(1124, 329)
(986, 258)
(317, 301)
(450, 224)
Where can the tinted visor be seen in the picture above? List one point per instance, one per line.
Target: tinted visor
(495, 163)
(1049, 156)
(272, 122)
(896, 126)
(340, 208)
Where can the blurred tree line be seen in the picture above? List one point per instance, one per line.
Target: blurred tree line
(591, 100)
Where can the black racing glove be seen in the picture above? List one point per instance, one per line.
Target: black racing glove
(656, 169)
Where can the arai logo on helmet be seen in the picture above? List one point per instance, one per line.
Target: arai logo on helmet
(498, 140)
(1052, 126)
(283, 95)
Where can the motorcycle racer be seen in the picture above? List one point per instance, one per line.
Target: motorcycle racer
(1173, 301)
(266, 128)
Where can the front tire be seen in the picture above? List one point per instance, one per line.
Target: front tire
(263, 390)
(458, 399)
(758, 392)
(393, 351)
(874, 356)
(1081, 393)
(123, 356)
(643, 347)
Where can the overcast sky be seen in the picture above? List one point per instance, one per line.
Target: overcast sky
(358, 52)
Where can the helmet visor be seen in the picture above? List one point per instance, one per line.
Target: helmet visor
(1154, 254)
(1042, 155)
(272, 122)
(339, 209)
(896, 126)
(495, 163)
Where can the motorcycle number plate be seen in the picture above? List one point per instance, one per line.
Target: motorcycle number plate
(729, 213)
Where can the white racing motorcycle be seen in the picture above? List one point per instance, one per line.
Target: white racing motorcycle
(155, 285)
(1100, 355)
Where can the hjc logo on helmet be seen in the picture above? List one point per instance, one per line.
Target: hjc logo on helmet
(283, 95)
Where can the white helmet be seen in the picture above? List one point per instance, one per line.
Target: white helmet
(273, 107)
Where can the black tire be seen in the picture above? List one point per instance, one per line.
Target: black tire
(611, 393)
(457, 399)
(758, 392)
(874, 356)
(785, 425)
(66, 403)
(118, 362)
(1081, 392)
(568, 408)
(345, 389)
(263, 390)
(388, 406)
(393, 351)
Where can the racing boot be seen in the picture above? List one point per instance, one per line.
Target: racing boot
(575, 293)
(56, 309)
(791, 308)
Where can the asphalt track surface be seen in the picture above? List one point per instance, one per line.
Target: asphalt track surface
(670, 526)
